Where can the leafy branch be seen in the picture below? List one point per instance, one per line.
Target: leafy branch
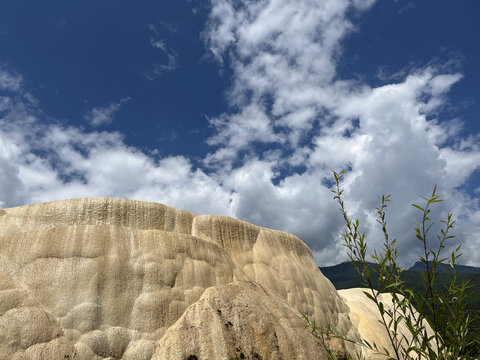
(442, 335)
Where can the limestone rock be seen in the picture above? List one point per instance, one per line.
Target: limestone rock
(239, 320)
(27, 331)
(365, 315)
(104, 278)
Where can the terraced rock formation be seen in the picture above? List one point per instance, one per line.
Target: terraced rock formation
(104, 278)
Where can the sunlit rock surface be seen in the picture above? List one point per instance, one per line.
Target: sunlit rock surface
(104, 278)
(365, 315)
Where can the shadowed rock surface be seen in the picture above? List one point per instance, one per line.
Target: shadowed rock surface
(104, 278)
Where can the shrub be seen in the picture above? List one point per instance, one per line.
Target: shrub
(443, 311)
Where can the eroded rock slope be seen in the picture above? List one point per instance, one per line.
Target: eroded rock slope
(104, 278)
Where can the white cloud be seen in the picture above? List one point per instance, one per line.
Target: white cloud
(9, 81)
(236, 132)
(10, 183)
(284, 56)
(104, 115)
(169, 62)
(43, 162)
(85, 164)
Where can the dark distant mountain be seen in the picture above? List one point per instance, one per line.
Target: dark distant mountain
(344, 276)
(461, 269)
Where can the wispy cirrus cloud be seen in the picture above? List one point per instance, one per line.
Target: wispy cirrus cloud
(169, 55)
(10, 81)
(104, 115)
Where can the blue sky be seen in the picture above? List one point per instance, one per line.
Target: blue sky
(241, 108)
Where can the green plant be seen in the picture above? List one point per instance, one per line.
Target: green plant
(437, 321)
(324, 333)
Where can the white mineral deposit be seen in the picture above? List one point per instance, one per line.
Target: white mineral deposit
(103, 278)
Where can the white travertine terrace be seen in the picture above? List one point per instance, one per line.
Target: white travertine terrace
(103, 278)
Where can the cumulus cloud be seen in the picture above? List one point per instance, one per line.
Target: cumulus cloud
(283, 56)
(104, 115)
(53, 162)
(10, 183)
(238, 131)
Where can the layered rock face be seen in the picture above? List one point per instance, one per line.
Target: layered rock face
(105, 278)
